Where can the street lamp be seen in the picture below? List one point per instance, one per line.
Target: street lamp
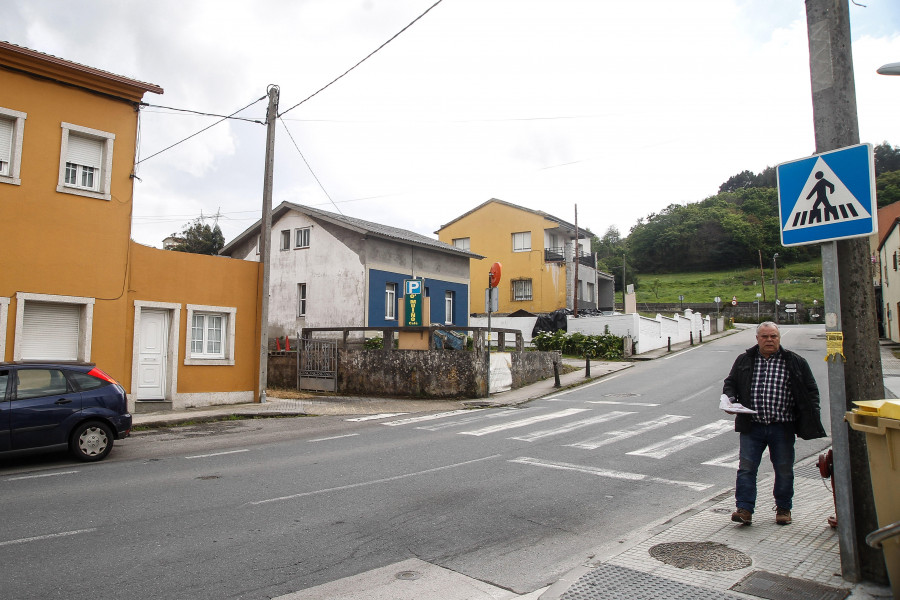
(775, 277)
(889, 69)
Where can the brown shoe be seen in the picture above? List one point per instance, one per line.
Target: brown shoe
(782, 516)
(742, 516)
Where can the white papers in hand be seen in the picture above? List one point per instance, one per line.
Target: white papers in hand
(734, 408)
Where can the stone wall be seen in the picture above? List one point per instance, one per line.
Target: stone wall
(415, 373)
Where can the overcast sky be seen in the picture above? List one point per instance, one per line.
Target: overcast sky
(620, 107)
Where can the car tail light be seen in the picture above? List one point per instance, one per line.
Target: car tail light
(95, 372)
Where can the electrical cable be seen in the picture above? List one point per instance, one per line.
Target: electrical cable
(202, 130)
(205, 114)
(308, 166)
(327, 85)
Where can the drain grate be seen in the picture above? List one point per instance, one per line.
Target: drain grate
(778, 587)
(612, 582)
(701, 556)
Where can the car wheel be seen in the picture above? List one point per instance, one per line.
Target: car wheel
(91, 441)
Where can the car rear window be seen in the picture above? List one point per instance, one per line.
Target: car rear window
(4, 378)
(86, 382)
(34, 383)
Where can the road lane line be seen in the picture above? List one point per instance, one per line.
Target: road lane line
(568, 427)
(684, 440)
(373, 417)
(502, 413)
(614, 436)
(621, 403)
(682, 352)
(334, 437)
(41, 475)
(49, 536)
(373, 482)
(218, 453)
(581, 387)
(430, 417)
(524, 422)
(524, 460)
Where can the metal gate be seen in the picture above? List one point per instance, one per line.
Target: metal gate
(317, 365)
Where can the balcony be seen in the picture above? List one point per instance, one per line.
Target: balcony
(559, 255)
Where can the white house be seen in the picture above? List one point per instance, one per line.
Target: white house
(330, 270)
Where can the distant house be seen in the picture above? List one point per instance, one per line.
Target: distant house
(330, 270)
(175, 329)
(886, 263)
(538, 253)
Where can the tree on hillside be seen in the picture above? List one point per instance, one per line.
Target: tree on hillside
(887, 188)
(199, 238)
(747, 179)
(887, 158)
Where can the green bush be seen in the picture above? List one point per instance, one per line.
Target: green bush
(606, 346)
(374, 343)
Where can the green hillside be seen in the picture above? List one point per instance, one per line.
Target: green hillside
(799, 282)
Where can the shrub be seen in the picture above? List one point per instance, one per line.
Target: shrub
(606, 346)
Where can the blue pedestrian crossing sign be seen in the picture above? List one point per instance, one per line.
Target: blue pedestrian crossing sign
(827, 197)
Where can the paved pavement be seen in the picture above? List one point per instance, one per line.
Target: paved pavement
(698, 553)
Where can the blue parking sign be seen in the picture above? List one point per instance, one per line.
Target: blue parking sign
(827, 197)
(412, 287)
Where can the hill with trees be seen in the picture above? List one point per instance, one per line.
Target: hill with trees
(727, 230)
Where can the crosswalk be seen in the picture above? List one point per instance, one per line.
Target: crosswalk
(486, 422)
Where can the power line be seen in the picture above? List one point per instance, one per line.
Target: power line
(205, 114)
(308, 165)
(201, 131)
(327, 85)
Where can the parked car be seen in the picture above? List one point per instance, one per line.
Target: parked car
(74, 405)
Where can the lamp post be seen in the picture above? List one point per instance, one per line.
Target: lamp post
(775, 278)
(889, 69)
(757, 307)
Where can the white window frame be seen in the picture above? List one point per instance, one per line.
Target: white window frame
(101, 190)
(390, 301)
(521, 241)
(301, 237)
(226, 357)
(301, 299)
(463, 243)
(4, 316)
(589, 292)
(17, 120)
(519, 289)
(85, 326)
(285, 239)
(448, 307)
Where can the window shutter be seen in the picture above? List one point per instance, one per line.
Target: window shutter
(50, 331)
(87, 152)
(6, 134)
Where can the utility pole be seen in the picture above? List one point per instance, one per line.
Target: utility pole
(577, 260)
(762, 276)
(775, 280)
(623, 282)
(850, 297)
(265, 242)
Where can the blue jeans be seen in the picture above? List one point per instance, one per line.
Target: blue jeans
(779, 438)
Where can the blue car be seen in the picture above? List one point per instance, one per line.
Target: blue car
(73, 405)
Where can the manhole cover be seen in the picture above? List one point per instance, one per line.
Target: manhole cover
(778, 587)
(702, 556)
(408, 575)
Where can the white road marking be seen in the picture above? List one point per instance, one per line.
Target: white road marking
(731, 460)
(430, 417)
(41, 475)
(684, 440)
(218, 453)
(682, 352)
(523, 422)
(621, 403)
(334, 437)
(614, 436)
(700, 393)
(497, 414)
(47, 537)
(530, 437)
(608, 473)
(581, 387)
(374, 417)
(373, 482)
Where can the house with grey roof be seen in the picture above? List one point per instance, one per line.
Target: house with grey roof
(330, 270)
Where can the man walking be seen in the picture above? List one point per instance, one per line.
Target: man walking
(779, 385)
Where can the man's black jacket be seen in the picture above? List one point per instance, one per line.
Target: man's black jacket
(807, 421)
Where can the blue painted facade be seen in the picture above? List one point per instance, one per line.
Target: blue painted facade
(434, 288)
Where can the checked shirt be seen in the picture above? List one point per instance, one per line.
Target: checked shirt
(771, 391)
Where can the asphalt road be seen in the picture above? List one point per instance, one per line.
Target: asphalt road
(256, 509)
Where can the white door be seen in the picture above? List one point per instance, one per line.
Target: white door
(152, 360)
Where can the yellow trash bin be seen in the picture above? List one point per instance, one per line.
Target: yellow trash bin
(883, 445)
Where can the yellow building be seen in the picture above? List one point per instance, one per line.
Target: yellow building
(74, 286)
(538, 254)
